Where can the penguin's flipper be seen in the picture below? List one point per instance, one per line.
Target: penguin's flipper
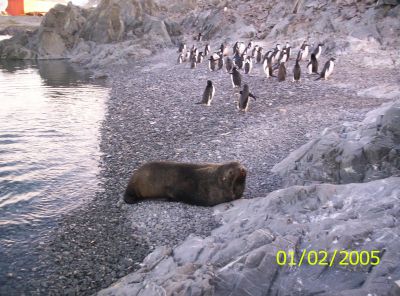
(252, 96)
(318, 78)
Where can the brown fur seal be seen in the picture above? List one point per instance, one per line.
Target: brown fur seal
(199, 184)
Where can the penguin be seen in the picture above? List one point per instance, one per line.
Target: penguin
(187, 56)
(254, 51)
(200, 57)
(220, 61)
(193, 63)
(208, 94)
(241, 47)
(278, 47)
(211, 63)
(275, 55)
(207, 50)
(282, 72)
(228, 64)
(182, 48)
(248, 65)
(268, 70)
(299, 54)
(304, 54)
(250, 45)
(265, 67)
(312, 66)
(267, 55)
(245, 94)
(236, 78)
(222, 49)
(238, 60)
(259, 55)
(235, 47)
(180, 58)
(288, 52)
(200, 37)
(283, 57)
(327, 70)
(318, 50)
(303, 45)
(296, 71)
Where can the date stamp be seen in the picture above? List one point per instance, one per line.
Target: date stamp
(324, 258)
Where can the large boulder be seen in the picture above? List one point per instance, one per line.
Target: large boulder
(354, 152)
(56, 36)
(239, 258)
(111, 19)
(68, 31)
(59, 30)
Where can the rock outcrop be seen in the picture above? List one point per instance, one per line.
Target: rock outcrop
(239, 258)
(119, 26)
(338, 24)
(354, 152)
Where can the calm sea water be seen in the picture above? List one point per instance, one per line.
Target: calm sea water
(50, 116)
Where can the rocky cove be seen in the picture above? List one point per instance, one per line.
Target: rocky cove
(322, 156)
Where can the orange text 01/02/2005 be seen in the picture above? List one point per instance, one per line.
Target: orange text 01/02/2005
(325, 258)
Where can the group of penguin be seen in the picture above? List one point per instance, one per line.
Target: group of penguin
(243, 59)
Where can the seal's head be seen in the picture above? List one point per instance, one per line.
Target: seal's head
(233, 177)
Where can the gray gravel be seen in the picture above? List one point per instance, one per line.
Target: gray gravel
(152, 115)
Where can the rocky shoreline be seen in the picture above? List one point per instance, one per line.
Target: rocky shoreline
(152, 115)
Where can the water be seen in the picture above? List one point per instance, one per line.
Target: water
(49, 150)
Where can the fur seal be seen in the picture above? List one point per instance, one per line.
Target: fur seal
(245, 94)
(199, 184)
(208, 94)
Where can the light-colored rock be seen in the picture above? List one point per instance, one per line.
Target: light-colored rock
(239, 258)
(357, 152)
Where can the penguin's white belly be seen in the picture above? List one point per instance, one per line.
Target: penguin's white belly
(211, 97)
(309, 67)
(265, 67)
(329, 70)
(241, 47)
